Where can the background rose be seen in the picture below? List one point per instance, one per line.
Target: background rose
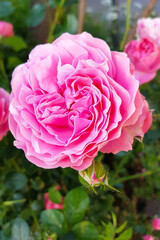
(156, 224)
(145, 56)
(51, 205)
(6, 29)
(148, 237)
(71, 99)
(4, 110)
(149, 28)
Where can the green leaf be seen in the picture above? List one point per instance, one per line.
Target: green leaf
(16, 181)
(36, 206)
(55, 196)
(126, 235)
(70, 2)
(85, 230)
(114, 219)
(110, 231)
(75, 205)
(37, 183)
(26, 214)
(140, 229)
(121, 228)
(13, 62)
(72, 23)
(52, 4)
(20, 229)
(54, 219)
(6, 8)
(16, 42)
(68, 236)
(3, 237)
(6, 229)
(36, 15)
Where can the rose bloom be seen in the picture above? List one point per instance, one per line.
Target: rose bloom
(6, 29)
(73, 98)
(148, 237)
(156, 224)
(4, 111)
(145, 56)
(149, 28)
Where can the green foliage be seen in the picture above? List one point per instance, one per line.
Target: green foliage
(55, 196)
(112, 232)
(20, 230)
(52, 4)
(126, 235)
(71, 23)
(36, 15)
(70, 2)
(109, 231)
(6, 8)
(16, 43)
(85, 230)
(3, 237)
(53, 220)
(13, 62)
(16, 181)
(75, 204)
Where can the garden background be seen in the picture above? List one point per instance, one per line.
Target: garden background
(124, 213)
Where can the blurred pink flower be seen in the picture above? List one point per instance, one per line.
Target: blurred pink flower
(4, 111)
(148, 237)
(156, 224)
(73, 98)
(145, 56)
(149, 28)
(6, 29)
(51, 205)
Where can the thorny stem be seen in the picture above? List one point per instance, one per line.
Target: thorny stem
(36, 220)
(55, 21)
(10, 203)
(127, 25)
(81, 14)
(2, 69)
(138, 175)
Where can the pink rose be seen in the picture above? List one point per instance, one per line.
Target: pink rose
(73, 98)
(148, 237)
(4, 111)
(145, 56)
(149, 28)
(6, 29)
(156, 224)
